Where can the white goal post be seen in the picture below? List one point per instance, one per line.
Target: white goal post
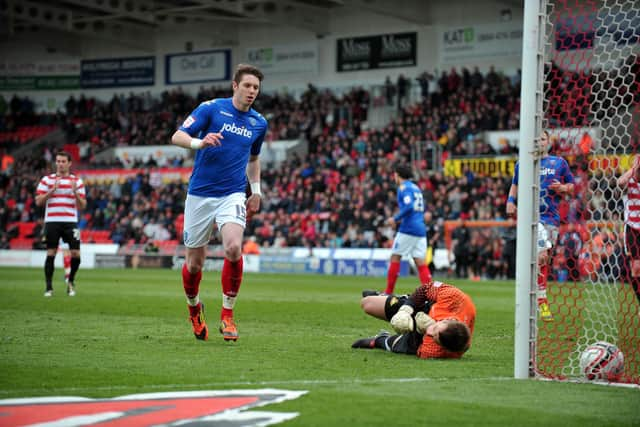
(530, 127)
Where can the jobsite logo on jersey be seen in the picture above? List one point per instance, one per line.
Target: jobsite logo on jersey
(242, 131)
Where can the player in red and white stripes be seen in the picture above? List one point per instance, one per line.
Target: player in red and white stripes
(62, 194)
(630, 181)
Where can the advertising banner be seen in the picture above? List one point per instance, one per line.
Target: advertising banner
(17, 83)
(118, 72)
(279, 264)
(110, 261)
(198, 67)
(358, 267)
(290, 58)
(166, 175)
(33, 75)
(361, 264)
(40, 69)
(373, 52)
(472, 42)
(499, 166)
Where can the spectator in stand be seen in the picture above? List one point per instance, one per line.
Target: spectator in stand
(509, 235)
(389, 91)
(404, 85)
(250, 246)
(461, 248)
(4, 241)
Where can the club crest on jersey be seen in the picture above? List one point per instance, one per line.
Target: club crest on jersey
(232, 128)
(252, 121)
(188, 122)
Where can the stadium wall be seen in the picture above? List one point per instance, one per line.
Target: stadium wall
(325, 261)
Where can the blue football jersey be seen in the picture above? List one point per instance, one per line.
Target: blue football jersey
(552, 168)
(220, 171)
(411, 214)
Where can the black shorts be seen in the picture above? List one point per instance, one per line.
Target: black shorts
(394, 302)
(67, 231)
(632, 242)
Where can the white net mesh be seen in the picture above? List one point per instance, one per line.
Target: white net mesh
(592, 110)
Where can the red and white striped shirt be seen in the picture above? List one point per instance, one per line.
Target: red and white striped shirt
(62, 205)
(632, 206)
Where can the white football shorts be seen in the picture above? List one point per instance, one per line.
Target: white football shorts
(406, 244)
(547, 236)
(201, 212)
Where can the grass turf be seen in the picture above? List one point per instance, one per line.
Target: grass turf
(127, 332)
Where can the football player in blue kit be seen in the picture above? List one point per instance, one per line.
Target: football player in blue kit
(227, 134)
(411, 236)
(556, 181)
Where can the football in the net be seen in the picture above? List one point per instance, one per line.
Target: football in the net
(602, 361)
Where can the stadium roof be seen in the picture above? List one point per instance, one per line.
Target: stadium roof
(136, 22)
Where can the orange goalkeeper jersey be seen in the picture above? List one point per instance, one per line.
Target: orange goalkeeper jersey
(449, 302)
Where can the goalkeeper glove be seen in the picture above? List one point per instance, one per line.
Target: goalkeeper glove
(402, 322)
(423, 321)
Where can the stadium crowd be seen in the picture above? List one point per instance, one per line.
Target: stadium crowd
(337, 195)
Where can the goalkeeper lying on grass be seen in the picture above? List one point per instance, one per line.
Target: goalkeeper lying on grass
(435, 321)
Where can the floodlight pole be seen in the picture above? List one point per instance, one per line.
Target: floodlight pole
(528, 185)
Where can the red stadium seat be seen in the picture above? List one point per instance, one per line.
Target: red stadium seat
(167, 247)
(25, 228)
(21, 243)
(102, 236)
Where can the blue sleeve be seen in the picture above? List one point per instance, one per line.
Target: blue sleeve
(405, 203)
(257, 144)
(514, 180)
(198, 120)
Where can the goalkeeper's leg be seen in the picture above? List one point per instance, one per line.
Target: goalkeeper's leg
(404, 344)
(382, 307)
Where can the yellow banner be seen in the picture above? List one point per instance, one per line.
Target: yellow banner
(504, 166)
(601, 162)
(483, 166)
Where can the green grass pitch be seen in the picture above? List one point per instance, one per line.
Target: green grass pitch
(127, 332)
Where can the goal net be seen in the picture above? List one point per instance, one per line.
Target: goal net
(591, 108)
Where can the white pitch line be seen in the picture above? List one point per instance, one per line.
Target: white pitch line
(257, 383)
(291, 383)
